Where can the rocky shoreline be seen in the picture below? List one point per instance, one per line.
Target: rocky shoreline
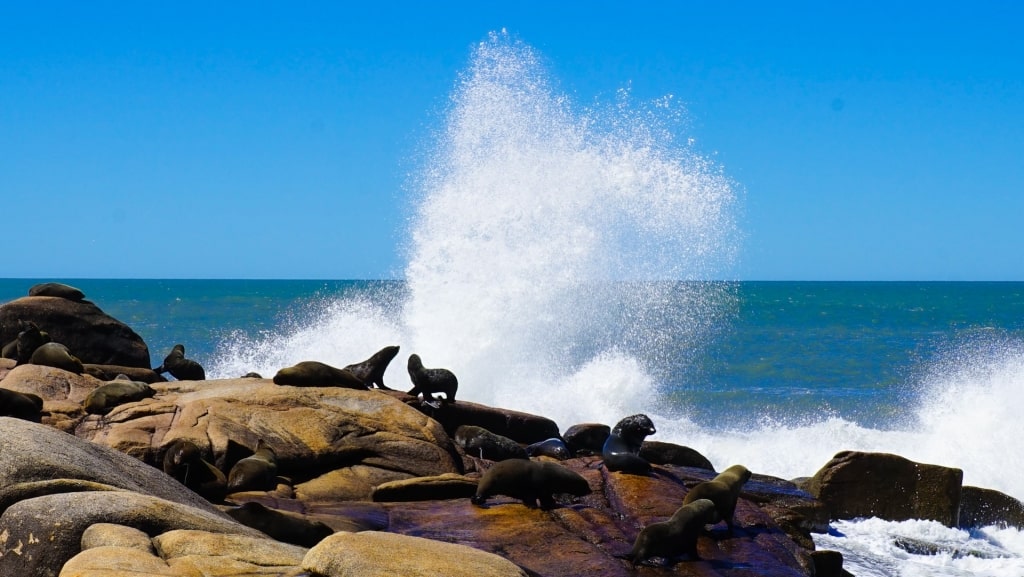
(372, 482)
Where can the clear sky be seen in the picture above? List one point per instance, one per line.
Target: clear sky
(870, 141)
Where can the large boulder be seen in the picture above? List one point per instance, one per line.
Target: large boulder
(857, 484)
(92, 335)
(980, 507)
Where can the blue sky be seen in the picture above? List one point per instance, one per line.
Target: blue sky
(871, 141)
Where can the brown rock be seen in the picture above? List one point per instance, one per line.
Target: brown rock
(586, 438)
(980, 507)
(855, 484)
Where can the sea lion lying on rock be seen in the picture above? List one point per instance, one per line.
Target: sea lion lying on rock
(621, 451)
(371, 371)
(58, 356)
(529, 481)
(257, 472)
(554, 448)
(280, 525)
(317, 374)
(184, 461)
(26, 406)
(56, 289)
(723, 491)
(676, 536)
(479, 442)
(28, 340)
(181, 368)
(119, 391)
(429, 381)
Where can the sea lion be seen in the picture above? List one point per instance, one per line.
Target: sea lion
(317, 374)
(621, 451)
(119, 391)
(586, 438)
(283, 526)
(56, 289)
(184, 461)
(553, 447)
(28, 340)
(529, 481)
(257, 472)
(58, 356)
(430, 381)
(676, 536)
(479, 442)
(25, 406)
(723, 491)
(252, 375)
(181, 368)
(371, 371)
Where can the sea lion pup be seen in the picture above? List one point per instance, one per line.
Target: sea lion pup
(119, 391)
(181, 368)
(430, 381)
(28, 340)
(371, 371)
(553, 447)
(25, 406)
(479, 442)
(621, 451)
(184, 461)
(280, 525)
(676, 536)
(58, 356)
(56, 289)
(257, 472)
(317, 374)
(529, 481)
(723, 491)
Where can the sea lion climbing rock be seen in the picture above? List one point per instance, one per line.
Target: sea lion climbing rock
(675, 537)
(529, 481)
(479, 442)
(181, 368)
(119, 391)
(429, 381)
(317, 374)
(371, 371)
(257, 472)
(723, 491)
(621, 451)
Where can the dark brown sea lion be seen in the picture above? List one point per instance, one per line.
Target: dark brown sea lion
(29, 339)
(371, 371)
(317, 374)
(119, 391)
(184, 461)
(675, 537)
(25, 406)
(281, 525)
(723, 491)
(181, 368)
(56, 289)
(554, 448)
(529, 481)
(479, 442)
(257, 472)
(58, 356)
(430, 381)
(621, 450)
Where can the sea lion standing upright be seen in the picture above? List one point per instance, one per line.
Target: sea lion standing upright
(257, 472)
(317, 374)
(529, 481)
(430, 381)
(181, 368)
(371, 371)
(723, 491)
(676, 536)
(58, 356)
(621, 450)
(184, 461)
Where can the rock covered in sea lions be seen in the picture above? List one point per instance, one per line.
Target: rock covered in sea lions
(371, 371)
(317, 374)
(180, 367)
(119, 391)
(426, 382)
(529, 481)
(621, 452)
(479, 442)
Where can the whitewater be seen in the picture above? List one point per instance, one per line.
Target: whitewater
(558, 261)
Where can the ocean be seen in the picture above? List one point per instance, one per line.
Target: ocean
(557, 260)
